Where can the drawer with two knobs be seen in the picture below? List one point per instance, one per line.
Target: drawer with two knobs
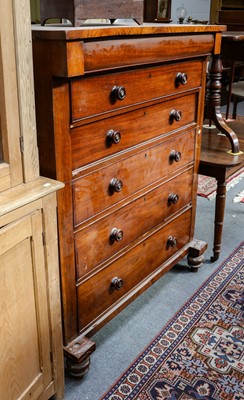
(96, 96)
(102, 292)
(106, 138)
(107, 186)
(101, 240)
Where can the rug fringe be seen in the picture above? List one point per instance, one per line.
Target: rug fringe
(239, 198)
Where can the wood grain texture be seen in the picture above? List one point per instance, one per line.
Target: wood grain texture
(157, 115)
(26, 193)
(25, 349)
(9, 106)
(91, 193)
(29, 329)
(215, 148)
(94, 244)
(5, 180)
(67, 33)
(135, 128)
(132, 268)
(25, 84)
(159, 82)
(53, 288)
(30, 301)
(144, 49)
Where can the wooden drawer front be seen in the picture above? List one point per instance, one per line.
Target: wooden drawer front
(107, 54)
(92, 193)
(109, 235)
(92, 96)
(97, 140)
(96, 294)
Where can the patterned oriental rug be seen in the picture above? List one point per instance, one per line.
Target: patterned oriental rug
(200, 352)
(207, 185)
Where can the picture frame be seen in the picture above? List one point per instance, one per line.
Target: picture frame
(157, 11)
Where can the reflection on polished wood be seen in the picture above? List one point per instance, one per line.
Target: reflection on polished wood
(129, 160)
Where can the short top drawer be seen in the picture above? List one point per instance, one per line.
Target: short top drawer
(93, 96)
(109, 185)
(105, 138)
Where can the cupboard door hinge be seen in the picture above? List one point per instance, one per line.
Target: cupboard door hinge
(21, 143)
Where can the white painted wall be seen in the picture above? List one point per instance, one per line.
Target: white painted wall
(198, 9)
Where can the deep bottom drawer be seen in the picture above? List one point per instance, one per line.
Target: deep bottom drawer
(97, 294)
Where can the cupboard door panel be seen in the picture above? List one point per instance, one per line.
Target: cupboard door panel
(25, 368)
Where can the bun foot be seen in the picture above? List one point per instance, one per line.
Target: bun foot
(195, 262)
(195, 256)
(77, 355)
(77, 370)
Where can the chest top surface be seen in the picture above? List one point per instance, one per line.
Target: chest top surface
(66, 32)
(77, 51)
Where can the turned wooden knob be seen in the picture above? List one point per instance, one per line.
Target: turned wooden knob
(118, 92)
(113, 136)
(176, 115)
(172, 241)
(175, 155)
(117, 283)
(173, 198)
(115, 185)
(116, 235)
(181, 78)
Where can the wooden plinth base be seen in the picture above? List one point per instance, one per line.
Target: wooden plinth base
(195, 256)
(77, 355)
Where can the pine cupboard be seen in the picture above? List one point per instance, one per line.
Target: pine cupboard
(31, 356)
(30, 327)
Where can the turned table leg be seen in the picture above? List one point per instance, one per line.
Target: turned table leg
(219, 218)
(213, 101)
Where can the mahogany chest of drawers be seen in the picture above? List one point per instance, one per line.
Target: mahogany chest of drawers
(119, 114)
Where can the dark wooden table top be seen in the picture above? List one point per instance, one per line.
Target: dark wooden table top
(215, 146)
